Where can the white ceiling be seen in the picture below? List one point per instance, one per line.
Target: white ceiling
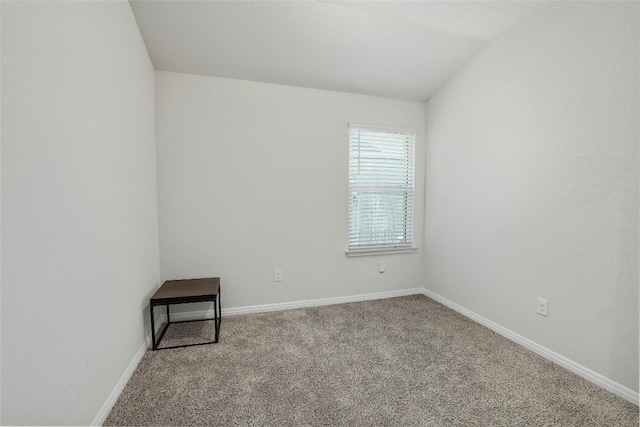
(395, 49)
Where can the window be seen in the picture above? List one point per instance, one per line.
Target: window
(381, 181)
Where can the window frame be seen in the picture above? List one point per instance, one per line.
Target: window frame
(390, 248)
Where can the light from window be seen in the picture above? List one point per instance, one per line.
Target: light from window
(381, 182)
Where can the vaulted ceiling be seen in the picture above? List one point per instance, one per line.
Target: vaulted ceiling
(395, 49)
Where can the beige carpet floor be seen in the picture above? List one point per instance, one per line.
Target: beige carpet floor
(402, 361)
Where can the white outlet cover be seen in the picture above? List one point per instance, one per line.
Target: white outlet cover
(542, 307)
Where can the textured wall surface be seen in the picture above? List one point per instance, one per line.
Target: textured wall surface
(252, 177)
(79, 206)
(532, 184)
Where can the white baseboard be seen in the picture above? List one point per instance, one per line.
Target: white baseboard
(201, 314)
(115, 393)
(600, 380)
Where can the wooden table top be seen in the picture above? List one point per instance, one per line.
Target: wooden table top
(187, 289)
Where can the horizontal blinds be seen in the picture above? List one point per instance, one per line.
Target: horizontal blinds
(381, 184)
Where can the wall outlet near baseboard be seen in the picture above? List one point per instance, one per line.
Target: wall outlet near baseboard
(543, 307)
(277, 275)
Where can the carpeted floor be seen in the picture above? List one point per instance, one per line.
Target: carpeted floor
(400, 361)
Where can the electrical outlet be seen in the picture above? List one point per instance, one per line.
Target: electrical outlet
(277, 275)
(381, 267)
(543, 307)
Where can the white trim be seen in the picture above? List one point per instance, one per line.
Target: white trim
(408, 131)
(201, 314)
(380, 251)
(115, 393)
(586, 373)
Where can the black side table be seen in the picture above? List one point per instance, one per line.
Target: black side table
(186, 291)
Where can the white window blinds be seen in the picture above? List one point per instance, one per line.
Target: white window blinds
(381, 183)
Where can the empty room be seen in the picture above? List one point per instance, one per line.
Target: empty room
(286, 213)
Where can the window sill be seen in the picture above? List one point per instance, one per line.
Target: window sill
(380, 251)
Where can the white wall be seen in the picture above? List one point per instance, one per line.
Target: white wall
(79, 206)
(532, 184)
(252, 177)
